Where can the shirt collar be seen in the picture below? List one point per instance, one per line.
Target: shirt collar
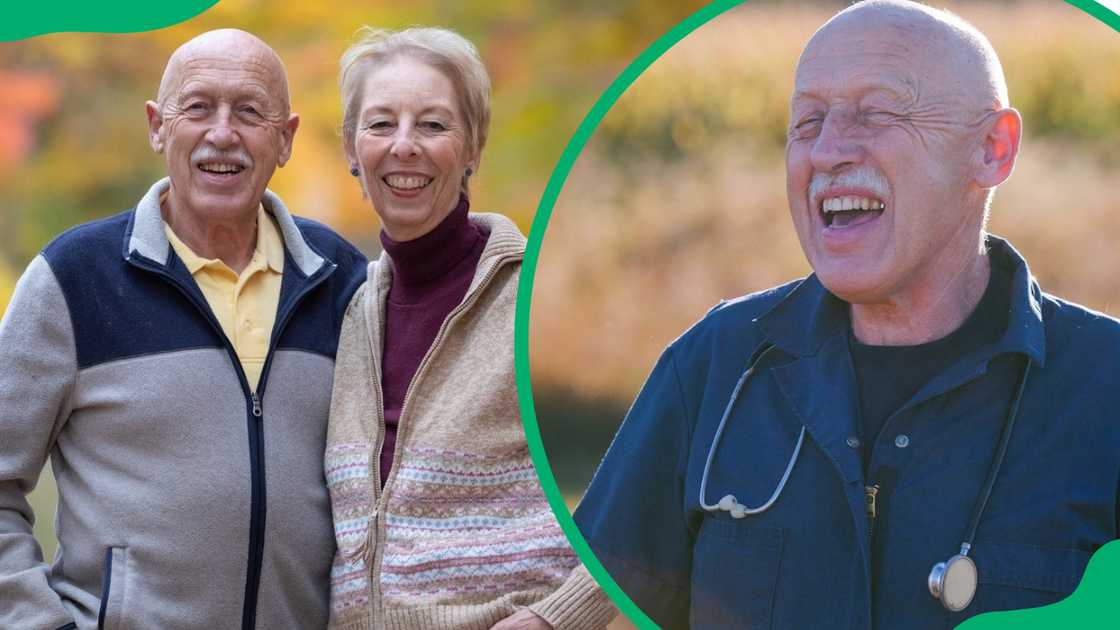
(269, 247)
(810, 315)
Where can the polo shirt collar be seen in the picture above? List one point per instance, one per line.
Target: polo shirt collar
(147, 238)
(810, 315)
(269, 248)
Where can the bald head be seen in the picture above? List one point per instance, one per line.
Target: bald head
(899, 132)
(963, 58)
(230, 46)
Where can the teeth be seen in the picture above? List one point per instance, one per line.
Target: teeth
(220, 168)
(846, 204)
(407, 183)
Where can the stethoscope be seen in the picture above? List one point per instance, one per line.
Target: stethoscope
(952, 582)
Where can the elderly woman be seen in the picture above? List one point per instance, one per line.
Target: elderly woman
(439, 517)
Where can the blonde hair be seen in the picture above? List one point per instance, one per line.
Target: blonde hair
(443, 49)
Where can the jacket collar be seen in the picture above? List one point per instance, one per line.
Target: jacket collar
(810, 315)
(504, 243)
(147, 238)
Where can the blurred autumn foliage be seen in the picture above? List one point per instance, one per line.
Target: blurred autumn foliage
(73, 143)
(678, 200)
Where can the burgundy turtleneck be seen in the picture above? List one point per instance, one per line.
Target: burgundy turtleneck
(430, 277)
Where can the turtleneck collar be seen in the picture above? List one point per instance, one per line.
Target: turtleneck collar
(432, 256)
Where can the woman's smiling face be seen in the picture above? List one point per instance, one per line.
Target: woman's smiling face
(411, 146)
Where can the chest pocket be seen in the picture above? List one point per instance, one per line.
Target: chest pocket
(1016, 575)
(734, 574)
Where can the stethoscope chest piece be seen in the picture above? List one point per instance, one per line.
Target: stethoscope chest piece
(954, 582)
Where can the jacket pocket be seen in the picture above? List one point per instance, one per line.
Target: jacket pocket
(1017, 575)
(114, 581)
(1031, 566)
(734, 574)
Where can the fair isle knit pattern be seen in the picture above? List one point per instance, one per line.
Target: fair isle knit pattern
(461, 535)
(347, 468)
(469, 527)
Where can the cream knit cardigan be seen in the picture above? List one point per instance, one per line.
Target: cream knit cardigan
(462, 535)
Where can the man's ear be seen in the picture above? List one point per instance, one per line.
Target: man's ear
(155, 123)
(287, 134)
(999, 148)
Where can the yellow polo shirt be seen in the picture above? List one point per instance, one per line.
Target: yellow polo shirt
(245, 304)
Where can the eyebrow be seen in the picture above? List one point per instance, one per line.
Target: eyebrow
(378, 109)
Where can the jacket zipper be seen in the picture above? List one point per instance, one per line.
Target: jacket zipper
(257, 506)
(256, 455)
(452, 317)
(869, 495)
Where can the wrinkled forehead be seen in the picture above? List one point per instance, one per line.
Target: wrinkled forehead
(245, 71)
(852, 58)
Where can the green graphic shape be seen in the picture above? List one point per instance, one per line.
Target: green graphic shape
(1093, 605)
(27, 19)
(1088, 607)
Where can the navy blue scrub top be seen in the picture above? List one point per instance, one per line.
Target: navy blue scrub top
(806, 562)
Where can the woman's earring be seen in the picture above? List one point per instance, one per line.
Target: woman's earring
(354, 171)
(469, 172)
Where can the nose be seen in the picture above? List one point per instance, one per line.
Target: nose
(404, 143)
(221, 133)
(835, 147)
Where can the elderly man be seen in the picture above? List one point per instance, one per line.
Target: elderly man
(910, 436)
(175, 362)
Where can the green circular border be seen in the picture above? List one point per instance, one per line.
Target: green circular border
(529, 269)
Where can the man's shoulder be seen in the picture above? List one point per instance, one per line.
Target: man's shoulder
(1079, 331)
(330, 243)
(84, 243)
(735, 318)
(753, 305)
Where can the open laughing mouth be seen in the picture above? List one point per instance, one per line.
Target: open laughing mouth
(406, 183)
(227, 169)
(850, 210)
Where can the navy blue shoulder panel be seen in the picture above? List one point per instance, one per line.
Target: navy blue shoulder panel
(315, 325)
(732, 321)
(1080, 339)
(117, 309)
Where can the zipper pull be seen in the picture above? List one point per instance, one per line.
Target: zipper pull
(870, 493)
(257, 412)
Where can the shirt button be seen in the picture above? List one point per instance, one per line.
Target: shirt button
(853, 442)
(902, 441)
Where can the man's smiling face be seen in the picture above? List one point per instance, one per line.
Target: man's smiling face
(223, 123)
(882, 142)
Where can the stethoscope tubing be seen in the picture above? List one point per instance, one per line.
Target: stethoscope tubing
(730, 504)
(723, 504)
(997, 461)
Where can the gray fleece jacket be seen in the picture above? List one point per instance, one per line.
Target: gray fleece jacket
(186, 500)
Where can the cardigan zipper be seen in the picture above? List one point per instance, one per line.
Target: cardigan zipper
(255, 416)
(452, 317)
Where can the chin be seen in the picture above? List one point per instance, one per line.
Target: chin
(853, 288)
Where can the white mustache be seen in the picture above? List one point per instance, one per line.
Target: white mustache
(867, 178)
(206, 153)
